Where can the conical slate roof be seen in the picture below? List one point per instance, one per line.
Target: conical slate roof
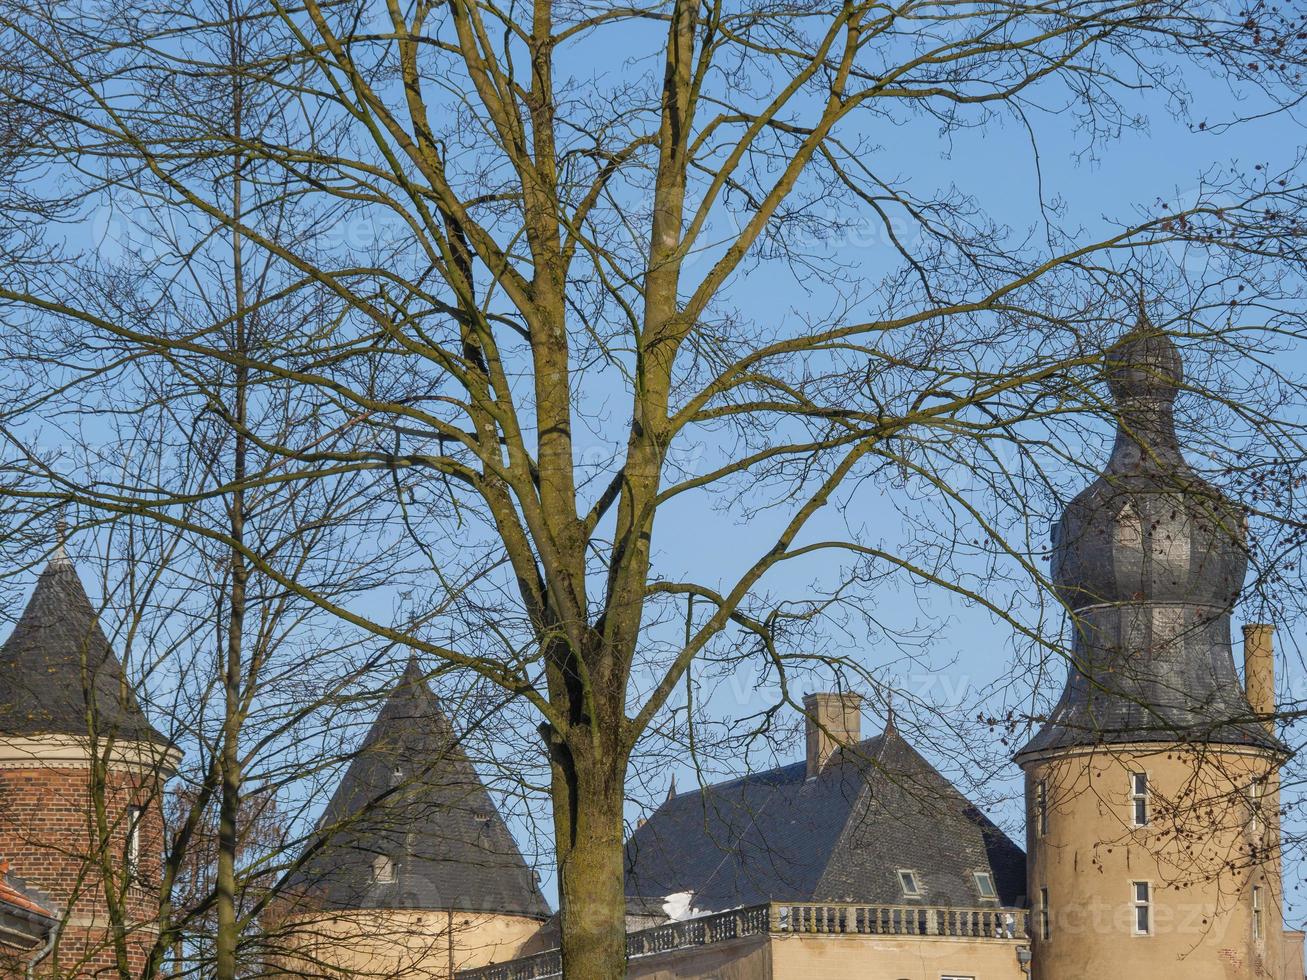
(844, 835)
(58, 673)
(411, 825)
(1149, 559)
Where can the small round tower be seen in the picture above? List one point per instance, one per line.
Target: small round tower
(1152, 789)
(72, 735)
(411, 872)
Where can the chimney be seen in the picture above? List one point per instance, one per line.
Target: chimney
(1259, 669)
(833, 720)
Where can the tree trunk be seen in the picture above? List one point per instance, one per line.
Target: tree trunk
(591, 895)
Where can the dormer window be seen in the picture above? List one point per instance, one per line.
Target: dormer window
(908, 882)
(383, 870)
(985, 884)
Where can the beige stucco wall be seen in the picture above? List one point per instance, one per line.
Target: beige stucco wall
(1201, 852)
(404, 944)
(738, 959)
(893, 958)
(1293, 954)
(842, 957)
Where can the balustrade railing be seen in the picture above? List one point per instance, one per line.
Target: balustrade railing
(787, 918)
(898, 920)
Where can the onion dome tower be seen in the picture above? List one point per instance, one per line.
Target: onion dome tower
(72, 730)
(1151, 787)
(411, 870)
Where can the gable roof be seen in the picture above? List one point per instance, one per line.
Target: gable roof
(411, 796)
(16, 895)
(842, 836)
(26, 919)
(59, 674)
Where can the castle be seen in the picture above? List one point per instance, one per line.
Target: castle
(1152, 800)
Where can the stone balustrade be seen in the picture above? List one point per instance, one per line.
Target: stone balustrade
(787, 918)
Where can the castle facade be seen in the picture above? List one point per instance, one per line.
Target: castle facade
(1151, 791)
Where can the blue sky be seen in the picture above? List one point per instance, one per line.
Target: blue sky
(1164, 160)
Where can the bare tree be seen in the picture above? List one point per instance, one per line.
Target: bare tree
(551, 307)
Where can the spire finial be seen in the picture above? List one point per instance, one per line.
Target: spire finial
(671, 790)
(890, 728)
(60, 553)
(1144, 365)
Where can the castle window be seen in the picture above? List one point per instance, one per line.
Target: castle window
(1257, 911)
(134, 815)
(1045, 929)
(383, 869)
(908, 882)
(1041, 808)
(1141, 893)
(985, 884)
(1256, 791)
(1139, 799)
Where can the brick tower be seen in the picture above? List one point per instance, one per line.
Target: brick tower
(1152, 789)
(72, 735)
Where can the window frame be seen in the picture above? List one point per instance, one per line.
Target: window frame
(1139, 809)
(1144, 905)
(905, 875)
(1256, 802)
(1045, 924)
(1041, 808)
(132, 850)
(988, 878)
(1259, 927)
(384, 870)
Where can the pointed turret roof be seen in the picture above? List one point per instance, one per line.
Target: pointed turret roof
(59, 674)
(412, 826)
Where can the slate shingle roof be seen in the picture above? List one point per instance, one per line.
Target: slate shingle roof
(411, 795)
(59, 674)
(877, 808)
(1150, 558)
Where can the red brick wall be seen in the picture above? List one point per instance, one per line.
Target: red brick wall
(50, 834)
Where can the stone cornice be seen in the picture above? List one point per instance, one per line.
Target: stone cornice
(1106, 750)
(75, 752)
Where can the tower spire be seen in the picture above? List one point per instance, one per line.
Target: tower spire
(1149, 559)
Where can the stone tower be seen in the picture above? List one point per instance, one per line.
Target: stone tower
(1152, 789)
(72, 732)
(411, 871)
